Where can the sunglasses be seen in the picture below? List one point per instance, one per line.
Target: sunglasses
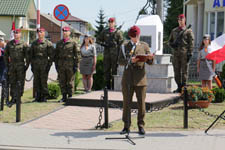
(16, 32)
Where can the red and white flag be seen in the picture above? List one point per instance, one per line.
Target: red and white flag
(217, 47)
(12, 30)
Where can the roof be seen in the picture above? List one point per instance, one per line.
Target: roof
(74, 19)
(14, 7)
(58, 23)
(1, 33)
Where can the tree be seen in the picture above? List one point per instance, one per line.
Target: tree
(174, 9)
(101, 22)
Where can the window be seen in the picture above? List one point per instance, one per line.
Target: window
(215, 24)
(147, 39)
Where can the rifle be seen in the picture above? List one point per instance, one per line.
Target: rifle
(177, 41)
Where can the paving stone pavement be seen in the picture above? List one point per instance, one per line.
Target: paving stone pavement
(48, 132)
(18, 137)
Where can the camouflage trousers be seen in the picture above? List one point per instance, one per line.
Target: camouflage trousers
(66, 79)
(16, 76)
(40, 79)
(127, 100)
(180, 66)
(110, 67)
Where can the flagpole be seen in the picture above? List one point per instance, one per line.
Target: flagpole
(38, 14)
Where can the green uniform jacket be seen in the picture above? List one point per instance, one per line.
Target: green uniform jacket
(137, 70)
(67, 54)
(110, 40)
(16, 54)
(41, 53)
(187, 40)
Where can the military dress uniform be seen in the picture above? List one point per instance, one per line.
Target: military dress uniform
(66, 60)
(41, 56)
(134, 80)
(16, 58)
(111, 40)
(181, 53)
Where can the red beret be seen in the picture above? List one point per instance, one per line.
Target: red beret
(41, 29)
(181, 16)
(134, 31)
(66, 28)
(111, 19)
(18, 30)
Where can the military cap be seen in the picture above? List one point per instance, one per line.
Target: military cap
(17, 30)
(67, 28)
(181, 16)
(41, 29)
(134, 31)
(111, 19)
(206, 36)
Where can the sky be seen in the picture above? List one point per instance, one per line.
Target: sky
(125, 11)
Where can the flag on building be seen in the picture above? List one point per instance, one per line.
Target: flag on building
(217, 52)
(12, 30)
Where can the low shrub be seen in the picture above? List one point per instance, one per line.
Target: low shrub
(219, 94)
(53, 90)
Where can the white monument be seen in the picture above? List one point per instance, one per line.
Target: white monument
(160, 76)
(151, 32)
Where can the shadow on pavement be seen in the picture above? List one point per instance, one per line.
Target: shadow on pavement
(96, 134)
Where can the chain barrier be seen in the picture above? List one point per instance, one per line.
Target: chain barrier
(99, 125)
(28, 80)
(135, 111)
(53, 80)
(206, 112)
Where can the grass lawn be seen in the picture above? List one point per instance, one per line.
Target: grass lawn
(31, 110)
(171, 118)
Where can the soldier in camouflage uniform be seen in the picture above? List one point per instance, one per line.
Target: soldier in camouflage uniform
(66, 61)
(41, 56)
(134, 77)
(16, 59)
(111, 38)
(182, 41)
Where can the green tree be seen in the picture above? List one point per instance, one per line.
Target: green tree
(101, 23)
(174, 9)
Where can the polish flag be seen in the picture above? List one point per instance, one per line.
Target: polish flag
(12, 30)
(217, 47)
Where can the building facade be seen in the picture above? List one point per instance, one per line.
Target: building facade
(23, 13)
(206, 17)
(53, 27)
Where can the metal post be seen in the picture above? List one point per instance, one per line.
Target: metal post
(185, 108)
(2, 100)
(106, 106)
(18, 103)
(18, 109)
(61, 31)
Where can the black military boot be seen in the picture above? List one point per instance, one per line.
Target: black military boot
(64, 98)
(43, 98)
(178, 90)
(12, 102)
(70, 95)
(37, 97)
(125, 131)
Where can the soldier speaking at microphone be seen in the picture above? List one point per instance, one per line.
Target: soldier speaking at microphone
(41, 54)
(134, 77)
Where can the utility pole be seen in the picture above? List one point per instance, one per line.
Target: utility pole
(159, 9)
